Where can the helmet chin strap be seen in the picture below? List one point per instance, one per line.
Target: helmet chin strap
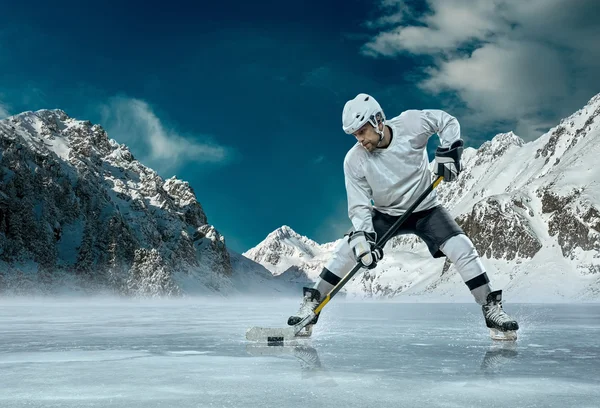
(381, 134)
(375, 124)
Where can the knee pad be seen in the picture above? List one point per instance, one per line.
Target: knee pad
(462, 253)
(341, 260)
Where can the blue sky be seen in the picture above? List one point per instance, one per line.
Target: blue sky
(244, 100)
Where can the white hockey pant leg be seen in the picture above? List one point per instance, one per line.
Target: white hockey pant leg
(340, 263)
(462, 253)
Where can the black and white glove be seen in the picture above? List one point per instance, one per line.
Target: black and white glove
(364, 248)
(447, 161)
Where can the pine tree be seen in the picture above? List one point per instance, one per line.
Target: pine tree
(149, 275)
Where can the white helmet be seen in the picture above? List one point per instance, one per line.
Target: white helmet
(360, 110)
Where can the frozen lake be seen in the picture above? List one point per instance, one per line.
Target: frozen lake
(193, 353)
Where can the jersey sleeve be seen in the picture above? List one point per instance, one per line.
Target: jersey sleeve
(422, 124)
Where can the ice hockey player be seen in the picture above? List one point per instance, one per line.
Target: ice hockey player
(384, 172)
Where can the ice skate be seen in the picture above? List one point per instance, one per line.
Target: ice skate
(309, 304)
(501, 325)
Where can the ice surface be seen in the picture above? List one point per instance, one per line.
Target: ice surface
(192, 353)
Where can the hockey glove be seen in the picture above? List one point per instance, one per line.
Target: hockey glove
(447, 161)
(364, 248)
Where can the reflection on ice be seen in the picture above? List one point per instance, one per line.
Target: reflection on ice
(498, 355)
(193, 353)
(307, 356)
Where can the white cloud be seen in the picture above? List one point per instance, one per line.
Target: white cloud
(3, 111)
(525, 62)
(448, 27)
(394, 13)
(133, 122)
(495, 80)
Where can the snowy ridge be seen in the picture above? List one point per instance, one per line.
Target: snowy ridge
(78, 212)
(285, 252)
(531, 209)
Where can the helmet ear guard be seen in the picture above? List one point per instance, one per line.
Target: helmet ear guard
(376, 119)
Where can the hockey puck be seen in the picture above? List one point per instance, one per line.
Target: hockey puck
(275, 341)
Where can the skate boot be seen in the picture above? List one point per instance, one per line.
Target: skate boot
(311, 300)
(501, 325)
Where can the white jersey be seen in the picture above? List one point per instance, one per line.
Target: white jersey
(395, 176)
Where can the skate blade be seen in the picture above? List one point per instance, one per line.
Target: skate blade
(276, 336)
(498, 335)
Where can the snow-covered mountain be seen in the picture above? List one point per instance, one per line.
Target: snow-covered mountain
(77, 211)
(292, 256)
(531, 209)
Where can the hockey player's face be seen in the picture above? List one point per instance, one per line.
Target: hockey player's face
(367, 137)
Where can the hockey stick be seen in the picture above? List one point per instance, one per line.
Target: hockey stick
(380, 243)
(278, 336)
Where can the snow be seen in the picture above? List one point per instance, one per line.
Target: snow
(113, 353)
(32, 126)
(59, 146)
(291, 250)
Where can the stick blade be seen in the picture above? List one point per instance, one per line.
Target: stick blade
(274, 336)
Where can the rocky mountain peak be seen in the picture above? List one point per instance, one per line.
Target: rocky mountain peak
(507, 138)
(492, 149)
(282, 248)
(282, 232)
(282, 239)
(76, 203)
(286, 233)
